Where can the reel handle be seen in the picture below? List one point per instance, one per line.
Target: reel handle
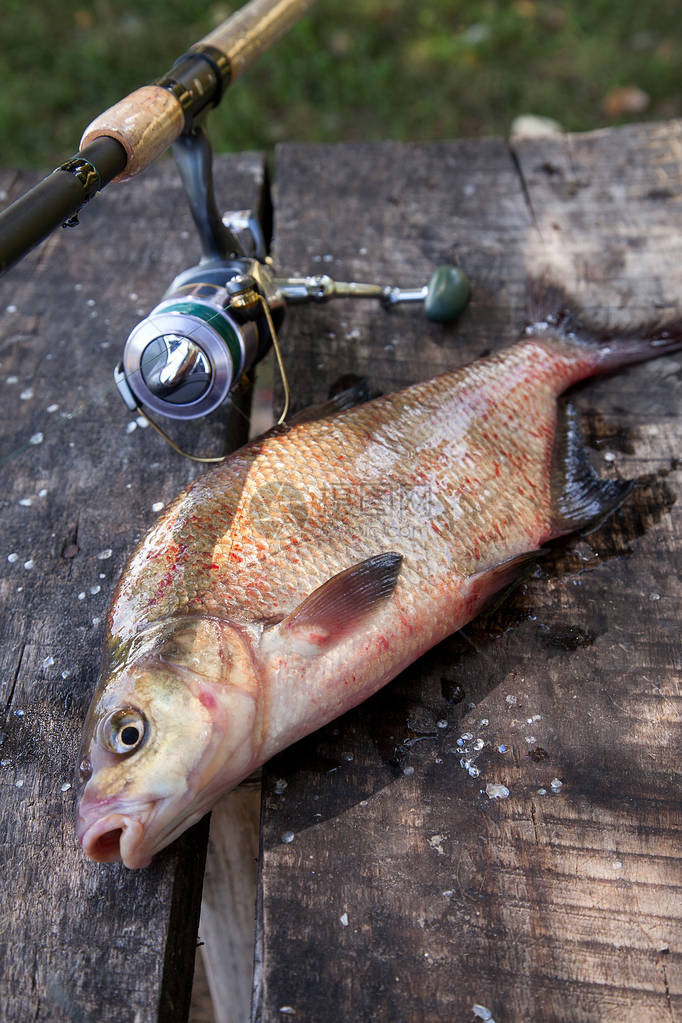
(444, 296)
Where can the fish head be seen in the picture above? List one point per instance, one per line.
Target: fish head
(170, 728)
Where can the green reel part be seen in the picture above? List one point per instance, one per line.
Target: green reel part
(447, 294)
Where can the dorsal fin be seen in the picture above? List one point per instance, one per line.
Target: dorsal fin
(580, 497)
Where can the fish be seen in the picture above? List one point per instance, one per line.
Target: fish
(290, 583)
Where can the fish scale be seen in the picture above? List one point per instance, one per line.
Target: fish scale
(359, 459)
(316, 563)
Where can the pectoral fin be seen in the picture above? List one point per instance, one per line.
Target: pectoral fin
(337, 607)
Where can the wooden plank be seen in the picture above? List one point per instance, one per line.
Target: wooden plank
(80, 941)
(407, 893)
(228, 908)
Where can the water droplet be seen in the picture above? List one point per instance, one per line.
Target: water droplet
(65, 787)
(556, 784)
(103, 555)
(95, 589)
(28, 565)
(617, 864)
(157, 506)
(52, 408)
(344, 919)
(542, 792)
(48, 662)
(27, 394)
(654, 596)
(348, 757)
(280, 785)
(42, 493)
(442, 723)
(609, 456)
(19, 713)
(479, 744)
(12, 558)
(474, 772)
(287, 1010)
(481, 1012)
(287, 837)
(131, 427)
(502, 748)
(409, 771)
(65, 674)
(81, 595)
(37, 438)
(19, 783)
(90, 302)
(12, 380)
(467, 736)
(11, 309)
(25, 502)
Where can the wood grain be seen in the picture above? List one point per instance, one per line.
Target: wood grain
(82, 942)
(407, 893)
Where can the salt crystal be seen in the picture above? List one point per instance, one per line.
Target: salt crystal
(408, 771)
(531, 738)
(494, 790)
(467, 736)
(27, 394)
(48, 662)
(37, 438)
(502, 748)
(344, 919)
(609, 456)
(28, 565)
(157, 506)
(96, 621)
(65, 674)
(479, 744)
(12, 558)
(65, 787)
(442, 723)
(103, 555)
(52, 408)
(95, 589)
(555, 784)
(81, 595)
(90, 302)
(511, 700)
(12, 380)
(142, 422)
(287, 1010)
(654, 596)
(19, 783)
(25, 502)
(19, 713)
(484, 722)
(348, 757)
(11, 309)
(287, 837)
(42, 493)
(617, 864)
(131, 427)
(474, 772)
(481, 1012)
(280, 785)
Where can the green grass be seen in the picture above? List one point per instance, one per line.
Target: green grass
(353, 69)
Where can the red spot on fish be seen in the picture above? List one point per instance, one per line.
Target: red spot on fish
(207, 699)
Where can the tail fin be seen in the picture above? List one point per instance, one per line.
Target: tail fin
(606, 350)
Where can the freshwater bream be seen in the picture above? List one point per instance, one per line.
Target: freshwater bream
(297, 578)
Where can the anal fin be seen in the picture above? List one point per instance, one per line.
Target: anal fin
(580, 496)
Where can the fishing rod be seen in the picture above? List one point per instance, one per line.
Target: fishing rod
(220, 317)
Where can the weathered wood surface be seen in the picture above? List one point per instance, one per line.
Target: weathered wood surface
(82, 942)
(407, 894)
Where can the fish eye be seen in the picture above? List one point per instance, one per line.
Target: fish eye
(123, 730)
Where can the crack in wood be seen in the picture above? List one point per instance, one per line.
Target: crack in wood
(15, 677)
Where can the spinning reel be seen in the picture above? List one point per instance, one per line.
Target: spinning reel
(221, 317)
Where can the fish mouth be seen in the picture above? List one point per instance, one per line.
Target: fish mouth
(116, 837)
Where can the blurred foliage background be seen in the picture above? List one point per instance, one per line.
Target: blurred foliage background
(353, 69)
